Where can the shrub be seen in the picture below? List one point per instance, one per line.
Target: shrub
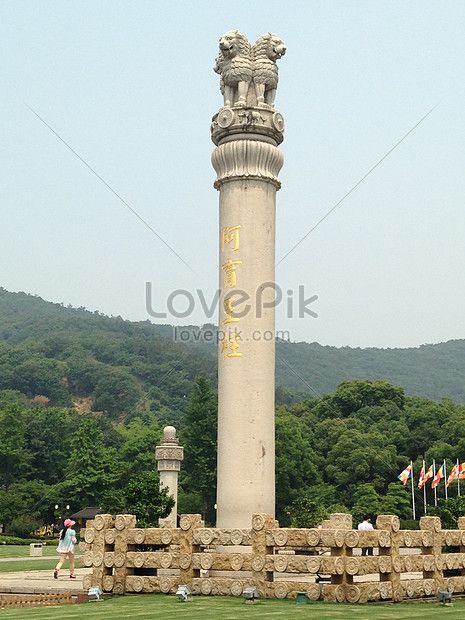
(23, 525)
(409, 524)
(15, 540)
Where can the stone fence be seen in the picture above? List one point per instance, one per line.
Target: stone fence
(326, 563)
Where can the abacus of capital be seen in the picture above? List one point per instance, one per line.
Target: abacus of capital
(169, 455)
(247, 131)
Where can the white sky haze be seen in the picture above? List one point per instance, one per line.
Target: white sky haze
(130, 86)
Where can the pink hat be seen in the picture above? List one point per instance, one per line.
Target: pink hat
(69, 523)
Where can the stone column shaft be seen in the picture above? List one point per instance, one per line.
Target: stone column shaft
(169, 455)
(247, 165)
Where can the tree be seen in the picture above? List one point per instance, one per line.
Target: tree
(26, 499)
(350, 396)
(358, 458)
(12, 397)
(296, 463)
(43, 376)
(14, 458)
(397, 501)
(144, 499)
(116, 392)
(48, 440)
(137, 451)
(367, 502)
(199, 437)
(449, 510)
(305, 511)
(92, 470)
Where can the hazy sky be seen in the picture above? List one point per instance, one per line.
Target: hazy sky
(130, 86)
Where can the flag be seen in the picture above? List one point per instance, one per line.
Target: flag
(406, 474)
(462, 470)
(424, 477)
(454, 474)
(438, 477)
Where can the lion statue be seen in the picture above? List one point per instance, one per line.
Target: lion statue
(234, 64)
(266, 51)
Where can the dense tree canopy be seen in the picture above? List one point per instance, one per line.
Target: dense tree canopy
(340, 452)
(119, 367)
(199, 437)
(83, 398)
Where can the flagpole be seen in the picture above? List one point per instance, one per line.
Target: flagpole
(458, 478)
(413, 492)
(435, 490)
(445, 477)
(424, 491)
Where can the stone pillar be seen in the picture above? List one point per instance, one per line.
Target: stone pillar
(169, 455)
(247, 162)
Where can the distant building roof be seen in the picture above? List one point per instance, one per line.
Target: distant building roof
(87, 513)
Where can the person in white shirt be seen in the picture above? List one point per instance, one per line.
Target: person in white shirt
(366, 525)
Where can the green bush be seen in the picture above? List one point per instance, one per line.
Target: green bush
(16, 540)
(23, 525)
(409, 524)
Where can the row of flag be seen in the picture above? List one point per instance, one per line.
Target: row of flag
(456, 473)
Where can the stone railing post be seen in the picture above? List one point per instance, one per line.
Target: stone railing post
(94, 536)
(433, 525)
(187, 524)
(122, 523)
(391, 523)
(461, 526)
(261, 577)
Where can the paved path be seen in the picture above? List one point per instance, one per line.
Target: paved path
(25, 558)
(42, 581)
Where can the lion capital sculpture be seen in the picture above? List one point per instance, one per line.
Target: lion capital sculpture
(266, 51)
(234, 64)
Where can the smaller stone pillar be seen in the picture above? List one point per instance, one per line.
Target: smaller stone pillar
(169, 455)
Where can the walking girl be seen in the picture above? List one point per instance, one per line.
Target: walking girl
(66, 548)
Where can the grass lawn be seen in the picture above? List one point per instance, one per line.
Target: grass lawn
(144, 606)
(26, 565)
(19, 551)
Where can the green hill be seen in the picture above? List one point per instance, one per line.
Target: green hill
(70, 355)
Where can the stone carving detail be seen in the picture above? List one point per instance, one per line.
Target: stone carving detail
(225, 118)
(278, 121)
(250, 118)
(166, 537)
(258, 522)
(163, 452)
(249, 159)
(280, 590)
(234, 64)
(236, 537)
(169, 465)
(185, 522)
(259, 123)
(139, 536)
(240, 65)
(109, 537)
(266, 51)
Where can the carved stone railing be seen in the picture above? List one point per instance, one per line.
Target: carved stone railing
(325, 562)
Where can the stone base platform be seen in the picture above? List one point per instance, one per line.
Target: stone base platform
(42, 582)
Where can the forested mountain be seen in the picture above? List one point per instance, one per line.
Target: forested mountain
(83, 398)
(70, 355)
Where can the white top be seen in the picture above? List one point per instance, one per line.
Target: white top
(66, 545)
(365, 525)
